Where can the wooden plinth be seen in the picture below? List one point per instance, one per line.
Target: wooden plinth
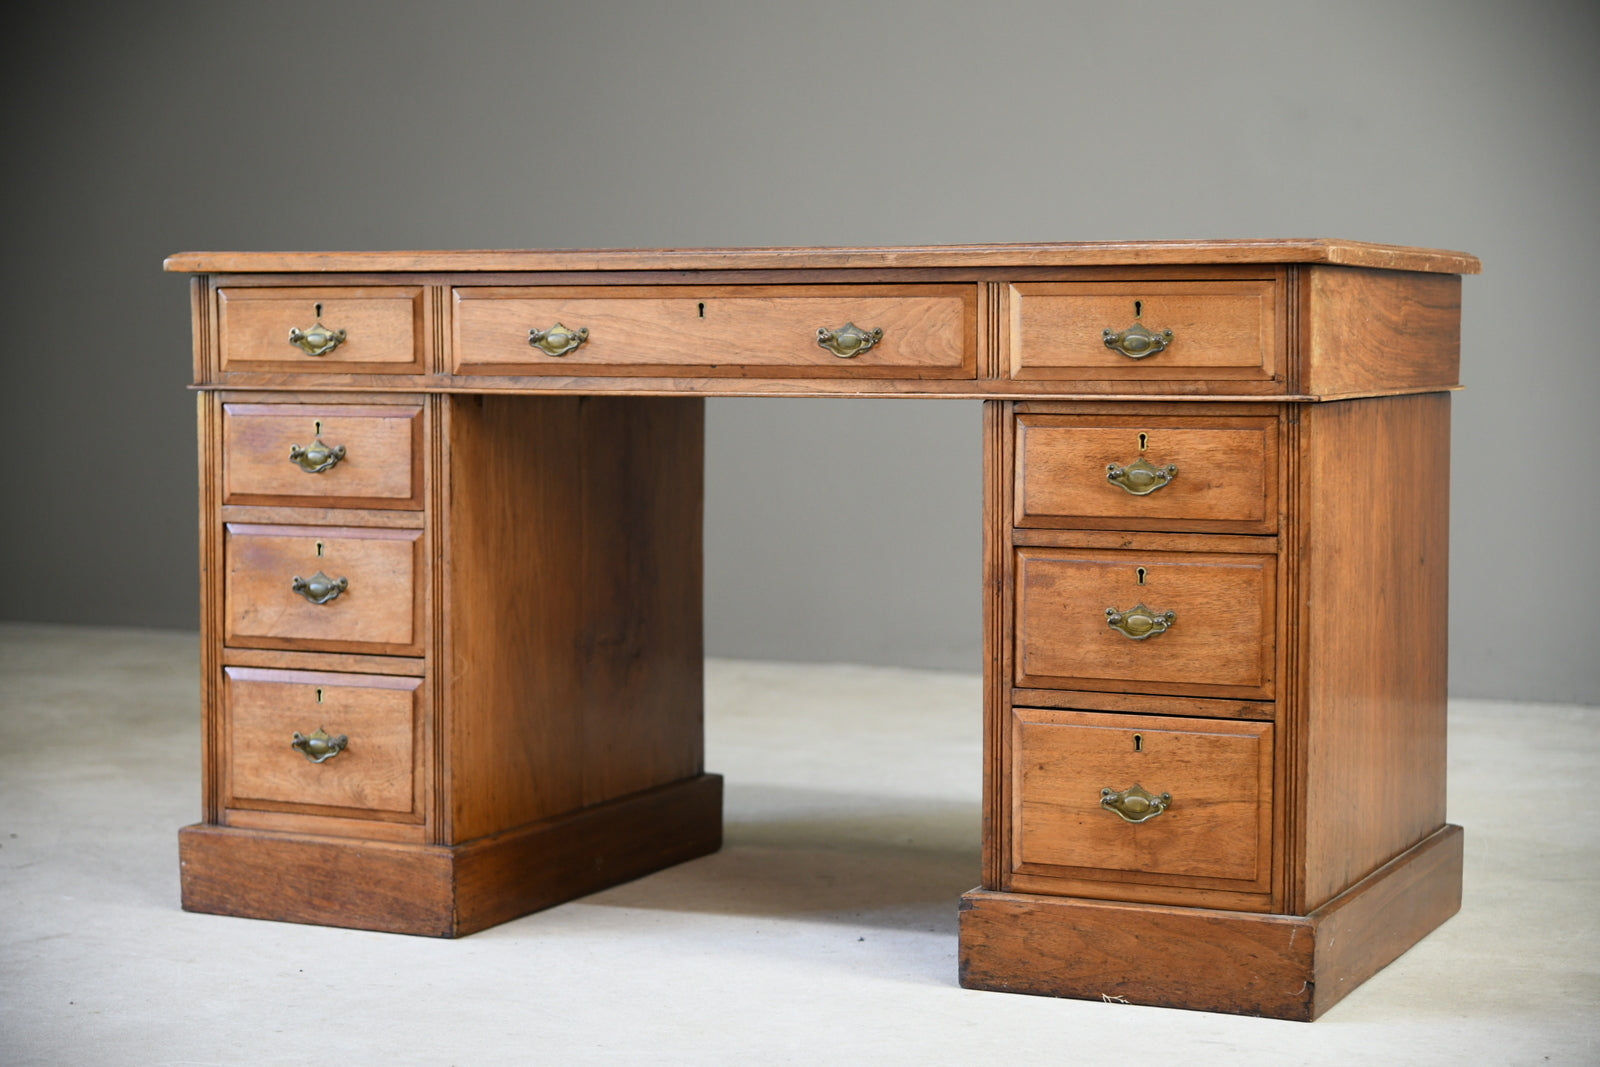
(448, 891)
(1279, 966)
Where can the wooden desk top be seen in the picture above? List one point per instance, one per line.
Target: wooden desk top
(1071, 254)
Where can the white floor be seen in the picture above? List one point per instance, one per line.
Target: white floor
(823, 932)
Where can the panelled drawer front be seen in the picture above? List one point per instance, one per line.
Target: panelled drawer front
(382, 328)
(928, 330)
(1220, 641)
(377, 611)
(377, 771)
(1220, 329)
(1215, 830)
(373, 455)
(1171, 473)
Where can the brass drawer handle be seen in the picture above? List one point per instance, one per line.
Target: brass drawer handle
(316, 457)
(848, 340)
(319, 588)
(558, 340)
(1134, 804)
(1139, 477)
(1136, 342)
(1139, 622)
(318, 746)
(317, 341)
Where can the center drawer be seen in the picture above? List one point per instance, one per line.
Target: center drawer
(343, 589)
(897, 331)
(1197, 623)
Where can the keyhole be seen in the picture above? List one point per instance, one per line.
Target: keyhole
(319, 556)
(1144, 441)
(1138, 308)
(702, 311)
(1138, 741)
(1140, 571)
(319, 694)
(319, 311)
(318, 425)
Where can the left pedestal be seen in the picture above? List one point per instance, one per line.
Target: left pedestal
(452, 660)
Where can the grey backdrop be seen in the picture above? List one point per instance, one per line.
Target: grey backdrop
(836, 530)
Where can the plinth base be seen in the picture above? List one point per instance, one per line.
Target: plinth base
(1279, 966)
(448, 891)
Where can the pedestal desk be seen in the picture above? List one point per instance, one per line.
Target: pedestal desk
(451, 585)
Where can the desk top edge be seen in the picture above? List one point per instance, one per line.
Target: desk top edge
(1075, 254)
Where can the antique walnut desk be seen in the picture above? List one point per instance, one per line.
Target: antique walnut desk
(451, 585)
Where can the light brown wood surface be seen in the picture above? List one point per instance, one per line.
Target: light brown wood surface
(378, 611)
(1063, 254)
(573, 596)
(377, 771)
(928, 331)
(381, 467)
(1222, 639)
(1378, 331)
(1222, 329)
(1226, 478)
(382, 327)
(1218, 822)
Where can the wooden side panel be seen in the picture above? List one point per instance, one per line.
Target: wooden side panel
(1374, 501)
(574, 668)
(1375, 330)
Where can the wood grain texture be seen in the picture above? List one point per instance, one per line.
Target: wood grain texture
(380, 611)
(381, 467)
(380, 772)
(1222, 330)
(928, 331)
(1278, 966)
(1374, 502)
(1221, 643)
(1376, 331)
(1146, 704)
(440, 891)
(573, 603)
(1066, 254)
(385, 328)
(1226, 479)
(1216, 829)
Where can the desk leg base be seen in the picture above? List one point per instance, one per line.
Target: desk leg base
(448, 891)
(1279, 966)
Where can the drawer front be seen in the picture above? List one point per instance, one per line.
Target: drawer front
(322, 454)
(375, 611)
(1214, 825)
(382, 329)
(1219, 329)
(1138, 473)
(927, 330)
(376, 770)
(1219, 641)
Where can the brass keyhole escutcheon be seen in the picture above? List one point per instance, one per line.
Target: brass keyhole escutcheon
(1140, 571)
(1144, 441)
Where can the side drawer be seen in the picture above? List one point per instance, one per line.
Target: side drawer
(371, 330)
(322, 454)
(1218, 641)
(1209, 826)
(1210, 474)
(368, 582)
(928, 331)
(1220, 330)
(376, 770)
